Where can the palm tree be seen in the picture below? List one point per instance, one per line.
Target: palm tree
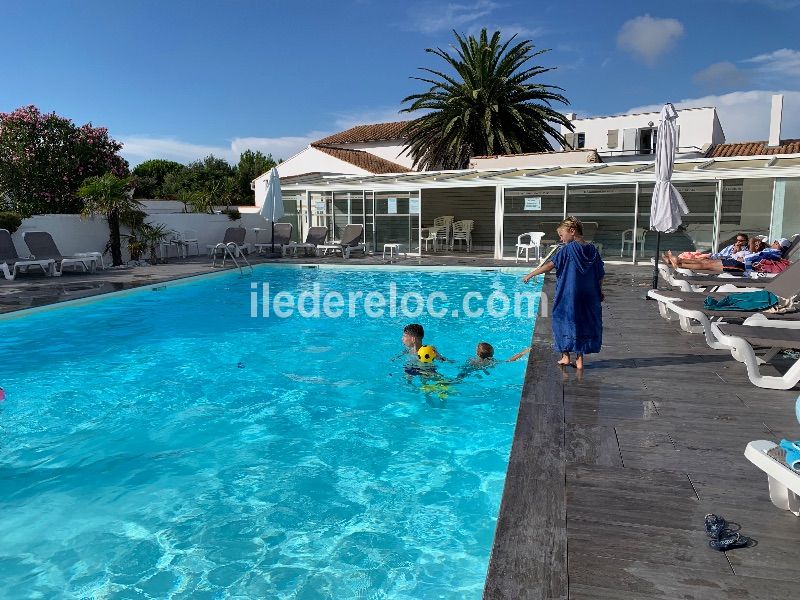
(112, 197)
(490, 106)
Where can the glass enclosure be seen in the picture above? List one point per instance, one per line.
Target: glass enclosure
(785, 209)
(292, 213)
(718, 210)
(530, 210)
(607, 216)
(746, 205)
(697, 231)
(388, 218)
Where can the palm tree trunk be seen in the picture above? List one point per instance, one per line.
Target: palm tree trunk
(116, 239)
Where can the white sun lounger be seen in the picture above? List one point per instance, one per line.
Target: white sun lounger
(784, 483)
(11, 264)
(233, 240)
(283, 236)
(351, 242)
(690, 310)
(314, 238)
(42, 246)
(760, 332)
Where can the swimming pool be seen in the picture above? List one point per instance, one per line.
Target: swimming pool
(167, 444)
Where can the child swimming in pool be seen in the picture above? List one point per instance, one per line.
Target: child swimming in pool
(484, 358)
(484, 355)
(413, 335)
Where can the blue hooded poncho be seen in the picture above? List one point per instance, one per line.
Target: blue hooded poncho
(577, 312)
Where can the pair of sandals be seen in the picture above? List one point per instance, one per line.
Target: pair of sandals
(724, 535)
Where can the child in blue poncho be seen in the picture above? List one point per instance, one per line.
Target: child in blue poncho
(577, 313)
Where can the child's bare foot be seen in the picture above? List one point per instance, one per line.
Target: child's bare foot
(579, 362)
(564, 359)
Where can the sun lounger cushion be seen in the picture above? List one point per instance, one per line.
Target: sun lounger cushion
(744, 301)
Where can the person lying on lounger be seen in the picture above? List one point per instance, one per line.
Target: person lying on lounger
(739, 244)
(757, 250)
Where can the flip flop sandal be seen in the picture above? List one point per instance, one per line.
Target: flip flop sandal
(715, 525)
(730, 542)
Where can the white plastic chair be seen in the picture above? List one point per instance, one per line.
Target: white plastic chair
(462, 232)
(189, 237)
(534, 242)
(431, 234)
(447, 224)
(628, 239)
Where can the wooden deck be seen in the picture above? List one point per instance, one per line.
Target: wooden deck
(611, 474)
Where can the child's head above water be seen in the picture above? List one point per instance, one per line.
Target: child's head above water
(484, 350)
(412, 335)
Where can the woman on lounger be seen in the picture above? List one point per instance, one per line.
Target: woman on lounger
(756, 250)
(577, 313)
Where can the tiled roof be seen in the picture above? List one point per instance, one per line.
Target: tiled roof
(366, 133)
(364, 160)
(753, 149)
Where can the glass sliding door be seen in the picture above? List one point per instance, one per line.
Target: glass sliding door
(292, 211)
(785, 209)
(530, 210)
(607, 213)
(697, 231)
(746, 206)
(396, 221)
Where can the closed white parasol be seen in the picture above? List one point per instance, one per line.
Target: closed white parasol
(272, 207)
(667, 208)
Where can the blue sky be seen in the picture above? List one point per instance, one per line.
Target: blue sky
(183, 79)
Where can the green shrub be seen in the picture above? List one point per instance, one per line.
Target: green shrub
(10, 221)
(233, 214)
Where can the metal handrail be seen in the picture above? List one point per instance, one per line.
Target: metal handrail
(230, 249)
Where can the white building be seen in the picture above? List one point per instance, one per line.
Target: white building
(632, 137)
(373, 149)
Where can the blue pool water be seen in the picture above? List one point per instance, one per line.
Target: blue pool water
(165, 444)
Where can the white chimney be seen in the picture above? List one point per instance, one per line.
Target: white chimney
(571, 116)
(775, 121)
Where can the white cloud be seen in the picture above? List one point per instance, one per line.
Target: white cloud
(368, 116)
(433, 17)
(648, 38)
(281, 147)
(137, 149)
(781, 63)
(772, 69)
(745, 115)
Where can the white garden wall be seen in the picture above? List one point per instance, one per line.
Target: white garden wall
(73, 234)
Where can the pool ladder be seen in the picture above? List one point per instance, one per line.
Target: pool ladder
(231, 249)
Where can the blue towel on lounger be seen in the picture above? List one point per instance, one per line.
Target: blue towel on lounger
(745, 301)
(792, 454)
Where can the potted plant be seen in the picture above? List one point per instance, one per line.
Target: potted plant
(151, 236)
(136, 247)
